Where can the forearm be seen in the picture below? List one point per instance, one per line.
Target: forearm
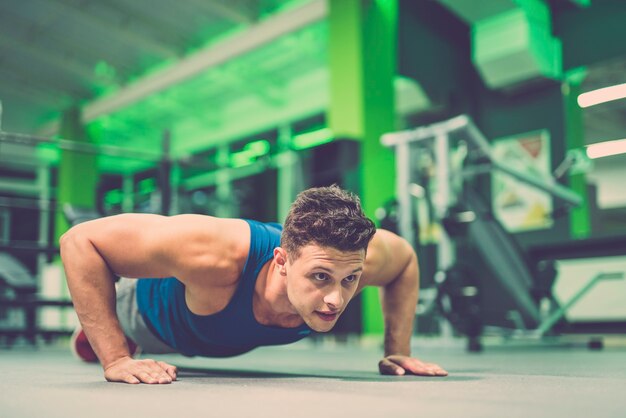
(399, 299)
(91, 285)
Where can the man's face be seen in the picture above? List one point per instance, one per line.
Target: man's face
(321, 282)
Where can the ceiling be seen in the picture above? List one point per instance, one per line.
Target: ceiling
(55, 54)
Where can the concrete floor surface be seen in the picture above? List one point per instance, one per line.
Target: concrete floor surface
(304, 380)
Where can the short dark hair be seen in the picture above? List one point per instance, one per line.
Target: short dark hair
(328, 217)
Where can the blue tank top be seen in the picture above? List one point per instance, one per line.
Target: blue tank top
(230, 332)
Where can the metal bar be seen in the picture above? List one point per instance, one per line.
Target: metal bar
(47, 334)
(224, 187)
(17, 139)
(28, 246)
(547, 325)
(164, 177)
(27, 203)
(43, 181)
(5, 221)
(23, 187)
(425, 132)
(475, 170)
(211, 179)
(128, 198)
(405, 214)
(477, 138)
(175, 179)
(28, 302)
(444, 198)
(64, 144)
(287, 164)
(551, 187)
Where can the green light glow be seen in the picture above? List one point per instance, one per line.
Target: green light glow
(241, 159)
(250, 153)
(260, 147)
(104, 70)
(116, 197)
(113, 197)
(146, 186)
(312, 139)
(47, 154)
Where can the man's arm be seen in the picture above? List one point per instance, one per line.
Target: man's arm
(392, 264)
(399, 299)
(134, 245)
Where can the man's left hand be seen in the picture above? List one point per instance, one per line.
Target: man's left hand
(399, 365)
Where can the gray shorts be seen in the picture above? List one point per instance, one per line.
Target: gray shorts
(132, 322)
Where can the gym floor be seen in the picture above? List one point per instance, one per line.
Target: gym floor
(318, 380)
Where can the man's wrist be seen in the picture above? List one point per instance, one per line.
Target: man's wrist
(398, 351)
(115, 360)
(396, 344)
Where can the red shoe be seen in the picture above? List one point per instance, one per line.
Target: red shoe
(81, 348)
(79, 344)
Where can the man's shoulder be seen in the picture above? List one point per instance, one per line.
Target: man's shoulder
(387, 252)
(268, 226)
(219, 249)
(264, 234)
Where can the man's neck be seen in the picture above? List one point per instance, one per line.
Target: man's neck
(272, 306)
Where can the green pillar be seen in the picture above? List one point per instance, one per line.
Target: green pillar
(78, 172)
(76, 184)
(362, 60)
(580, 218)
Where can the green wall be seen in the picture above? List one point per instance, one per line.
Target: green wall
(362, 63)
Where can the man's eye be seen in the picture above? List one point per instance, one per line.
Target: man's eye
(320, 276)
(351, 278)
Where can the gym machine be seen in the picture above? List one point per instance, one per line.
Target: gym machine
(175, 183)
(436, 168)
(30, 286)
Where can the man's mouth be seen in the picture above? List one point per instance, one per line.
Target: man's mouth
(327, 316)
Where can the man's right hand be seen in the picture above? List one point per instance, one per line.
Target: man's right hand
(128, 370)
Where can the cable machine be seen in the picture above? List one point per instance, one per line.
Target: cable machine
(434, 168)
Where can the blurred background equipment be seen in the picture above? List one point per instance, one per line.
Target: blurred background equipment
(475, 254)
(232, 109)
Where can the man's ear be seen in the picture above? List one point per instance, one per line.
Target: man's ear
(280, 257)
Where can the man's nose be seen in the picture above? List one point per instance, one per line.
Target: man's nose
(334, 298)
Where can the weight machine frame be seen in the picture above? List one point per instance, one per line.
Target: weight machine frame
(437, 137)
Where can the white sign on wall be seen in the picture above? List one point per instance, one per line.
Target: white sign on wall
(519, 206)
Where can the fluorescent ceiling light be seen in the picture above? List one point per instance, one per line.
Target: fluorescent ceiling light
(312, 139)
(605, 149)
(603, 95)
(250, 153)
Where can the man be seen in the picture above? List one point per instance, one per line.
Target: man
(221, 287)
